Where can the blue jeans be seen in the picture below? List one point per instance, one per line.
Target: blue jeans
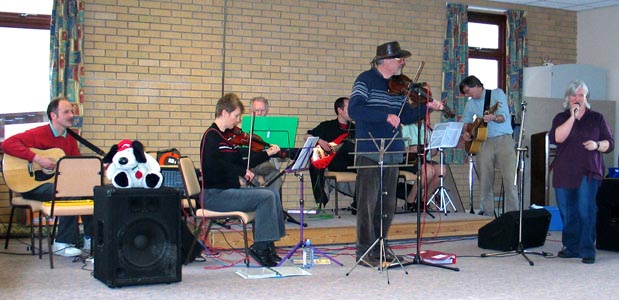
(578, 211)
(269, 223)
(68, 227)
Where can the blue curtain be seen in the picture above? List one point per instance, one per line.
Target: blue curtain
(517, 59)
(455, 68)
(66, 54)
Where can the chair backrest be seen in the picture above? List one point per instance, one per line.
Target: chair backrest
(76, 176)
(190, 178)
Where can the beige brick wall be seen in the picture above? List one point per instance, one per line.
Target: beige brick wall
(155, 69)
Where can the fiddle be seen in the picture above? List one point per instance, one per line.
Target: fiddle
(237, 137)
(416, 92)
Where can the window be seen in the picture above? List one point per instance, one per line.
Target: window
(24, 31)
(487, 48)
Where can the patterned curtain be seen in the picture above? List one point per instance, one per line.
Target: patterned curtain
(455, 68)
(517, 59)
(66, 54)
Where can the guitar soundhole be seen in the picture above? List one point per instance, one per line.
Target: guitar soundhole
(40, 175)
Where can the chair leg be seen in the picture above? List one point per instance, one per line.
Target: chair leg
(31, 213)
(336, 199)
(246, 243)
(8, 231)
(195, 241)
(40, 236)
(49, 244)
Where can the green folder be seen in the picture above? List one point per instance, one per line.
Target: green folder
(278, 130)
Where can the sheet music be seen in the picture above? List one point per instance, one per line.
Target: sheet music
(446, 135)
(304, 154)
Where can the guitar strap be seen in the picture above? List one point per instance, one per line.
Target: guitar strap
(86, 143)
(487, 101)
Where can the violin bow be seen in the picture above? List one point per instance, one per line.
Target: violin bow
(251, 136)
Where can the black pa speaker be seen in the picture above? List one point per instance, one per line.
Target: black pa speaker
(607, 237)
(137, 236)
(502, 233)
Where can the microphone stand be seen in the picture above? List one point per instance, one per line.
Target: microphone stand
(418, 260)
(519, 181)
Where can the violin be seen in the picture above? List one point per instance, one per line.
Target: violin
(237, 137)
(416, 92)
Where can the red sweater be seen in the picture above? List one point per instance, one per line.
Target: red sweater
(40, 137)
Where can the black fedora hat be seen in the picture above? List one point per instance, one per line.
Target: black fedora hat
(390, 50)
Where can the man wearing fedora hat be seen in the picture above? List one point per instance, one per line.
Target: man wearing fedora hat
(378, 115)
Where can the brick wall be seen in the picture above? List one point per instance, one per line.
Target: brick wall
(155, 69)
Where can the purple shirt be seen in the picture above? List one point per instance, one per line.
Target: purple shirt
(573, 161)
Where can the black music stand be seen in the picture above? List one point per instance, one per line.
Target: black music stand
(381, 240)
(301, 164)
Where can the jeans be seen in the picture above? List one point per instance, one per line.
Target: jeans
(68, 227)
(370, 214)
(269, 223)
(578, 211)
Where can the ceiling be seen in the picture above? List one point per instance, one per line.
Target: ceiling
(573, 5)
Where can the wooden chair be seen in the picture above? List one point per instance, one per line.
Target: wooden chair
(193, 189)
(407, 178)
(75, 179)
(337, 178)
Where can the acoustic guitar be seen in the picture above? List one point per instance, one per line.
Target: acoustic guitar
(479, 132)
(21, 175)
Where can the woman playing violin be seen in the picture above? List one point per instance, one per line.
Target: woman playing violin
(222, 165)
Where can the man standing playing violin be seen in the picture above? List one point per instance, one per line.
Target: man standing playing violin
(378, 115)
(339, 129)
(222, 165)
(499, 146)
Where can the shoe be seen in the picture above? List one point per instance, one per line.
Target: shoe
(563, 254)
(263, 257)
(87, 244)
(273, 251)
(412, 207)
(588, 260)
(64, 249)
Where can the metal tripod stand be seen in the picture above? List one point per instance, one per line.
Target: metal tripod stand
(519, 182)
(381, 240)
(301, 242)
(441, 190)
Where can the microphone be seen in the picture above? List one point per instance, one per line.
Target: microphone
(576, 109)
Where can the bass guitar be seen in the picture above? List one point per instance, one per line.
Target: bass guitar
(321, 158)
(21, 175)
(478, 130)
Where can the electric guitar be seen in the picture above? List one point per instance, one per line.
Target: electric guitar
(21, 175)
(321, 158)
(479, 132)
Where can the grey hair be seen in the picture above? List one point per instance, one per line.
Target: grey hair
(571, 89)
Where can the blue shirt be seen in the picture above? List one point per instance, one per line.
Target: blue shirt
(476, 107)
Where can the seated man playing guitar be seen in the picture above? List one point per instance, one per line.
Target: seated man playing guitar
(43, 146)
(499, 145)
(333, 149)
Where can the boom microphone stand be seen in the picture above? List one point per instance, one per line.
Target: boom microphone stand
(519, 181)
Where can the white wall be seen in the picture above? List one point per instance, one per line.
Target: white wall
(598, 45)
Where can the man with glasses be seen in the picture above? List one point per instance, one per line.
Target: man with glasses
(378, 116)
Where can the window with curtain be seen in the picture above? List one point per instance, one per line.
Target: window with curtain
(25, 32)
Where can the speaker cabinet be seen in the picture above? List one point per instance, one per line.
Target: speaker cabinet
(502, 233)
(137, 236)
(608, 216)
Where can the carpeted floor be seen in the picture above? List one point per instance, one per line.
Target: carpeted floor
(510, 277)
